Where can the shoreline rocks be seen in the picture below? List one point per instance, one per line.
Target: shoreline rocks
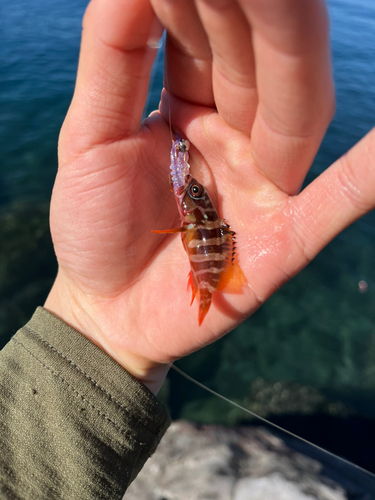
(211, 462)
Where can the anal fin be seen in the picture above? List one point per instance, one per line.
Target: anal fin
(194, 288)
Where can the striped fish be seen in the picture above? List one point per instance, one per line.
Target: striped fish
(209, 243)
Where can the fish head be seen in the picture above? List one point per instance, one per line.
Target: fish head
(193, 201)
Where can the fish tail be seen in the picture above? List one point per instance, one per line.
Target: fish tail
(204, 304)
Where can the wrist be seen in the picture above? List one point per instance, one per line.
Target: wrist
(78, 310)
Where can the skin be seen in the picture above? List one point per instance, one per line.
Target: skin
(249, 84)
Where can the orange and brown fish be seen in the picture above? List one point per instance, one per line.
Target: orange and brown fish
(207, 239)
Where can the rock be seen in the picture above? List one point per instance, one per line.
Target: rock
(196, 462)
(275, 486)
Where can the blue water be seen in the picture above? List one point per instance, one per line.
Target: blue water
(38, 62)
(353, 52)
(319, 330)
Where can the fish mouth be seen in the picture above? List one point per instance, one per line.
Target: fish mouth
(181, 190)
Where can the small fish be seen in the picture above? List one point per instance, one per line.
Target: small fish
(207, 239)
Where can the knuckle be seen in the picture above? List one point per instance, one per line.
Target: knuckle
(300, 237)
(350, 184)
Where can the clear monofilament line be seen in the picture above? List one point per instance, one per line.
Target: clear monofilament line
(315, 446)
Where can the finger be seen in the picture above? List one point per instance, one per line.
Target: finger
(188, 68)
(295, 88)
(113, 73)
(334, 200)
(233, 71)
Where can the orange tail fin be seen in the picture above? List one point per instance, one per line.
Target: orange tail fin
(204, 305)
(232, 280)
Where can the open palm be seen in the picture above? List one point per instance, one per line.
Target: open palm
(252, 91)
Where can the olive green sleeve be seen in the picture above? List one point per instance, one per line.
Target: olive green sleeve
(74, 424)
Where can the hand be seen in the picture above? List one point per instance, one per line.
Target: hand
(249, 84)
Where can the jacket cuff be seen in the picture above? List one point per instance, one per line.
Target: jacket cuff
(123, 409)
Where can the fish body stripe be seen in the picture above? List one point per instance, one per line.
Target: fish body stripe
(210, 250)
(211, 224)
(210, 270)
(204, 242)
(204, 257)
(206, 285)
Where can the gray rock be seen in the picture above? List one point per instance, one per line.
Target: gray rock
(244, 463)
(275, 486)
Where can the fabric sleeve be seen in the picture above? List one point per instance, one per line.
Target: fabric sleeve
(74, 424)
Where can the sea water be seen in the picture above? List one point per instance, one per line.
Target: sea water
(309, 352)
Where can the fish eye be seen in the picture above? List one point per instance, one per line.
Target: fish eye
(196, 190)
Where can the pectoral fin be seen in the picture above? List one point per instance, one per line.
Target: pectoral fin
(170, 231)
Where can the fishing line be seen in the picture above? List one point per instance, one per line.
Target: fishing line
(246, 410)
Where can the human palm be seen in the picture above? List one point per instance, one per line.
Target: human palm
(253, 140)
